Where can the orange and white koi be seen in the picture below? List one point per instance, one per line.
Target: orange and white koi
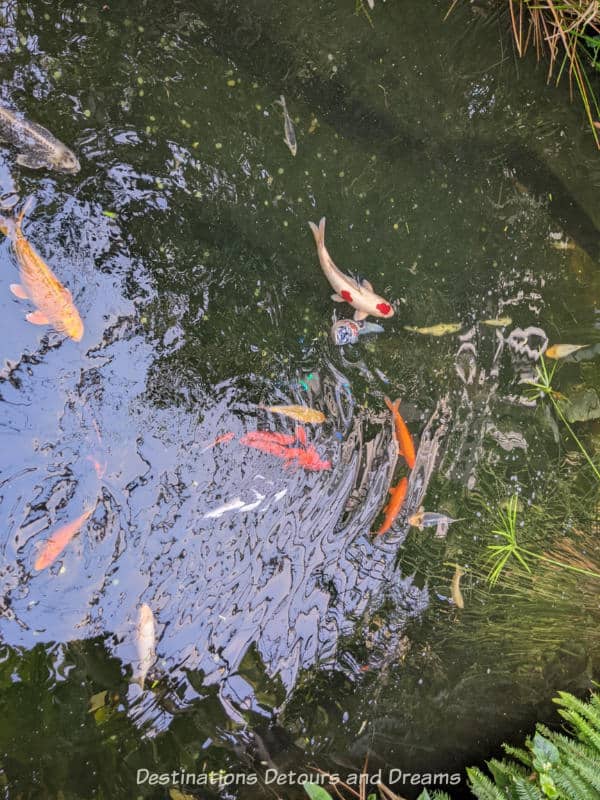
(361, 296)
(392, 509)
(404, 440)
(53, 301)
(54, 546)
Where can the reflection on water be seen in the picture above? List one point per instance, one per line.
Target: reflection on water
(286, 632)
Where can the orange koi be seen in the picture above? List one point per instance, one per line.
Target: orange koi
(404, 440)
(99, 467)
(392, 509)
(54, 546)
(53, 301)
(224, 437)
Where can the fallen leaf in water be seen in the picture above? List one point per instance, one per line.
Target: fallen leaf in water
(436, 330)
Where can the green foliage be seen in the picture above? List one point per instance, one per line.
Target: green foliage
(316, 792)
(554, 765)
(499, 554)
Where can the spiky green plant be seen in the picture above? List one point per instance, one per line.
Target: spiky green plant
(499, 554)
(543, 386)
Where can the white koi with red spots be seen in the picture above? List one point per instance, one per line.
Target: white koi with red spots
(360, 295)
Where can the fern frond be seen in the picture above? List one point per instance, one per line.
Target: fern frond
(505, 773)
(527, 790)
(573, 786)
(482, 787)
(588, 711)
(583, 729)
(517, 752)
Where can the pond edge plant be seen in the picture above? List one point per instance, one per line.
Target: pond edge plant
(500, 554)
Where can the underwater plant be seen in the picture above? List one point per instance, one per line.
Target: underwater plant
(567, 34)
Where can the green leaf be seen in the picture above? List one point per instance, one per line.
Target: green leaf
(547, 786)
(316, 792)
(546, 754)
(582, 405)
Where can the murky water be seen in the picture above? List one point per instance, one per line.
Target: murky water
(287, 635)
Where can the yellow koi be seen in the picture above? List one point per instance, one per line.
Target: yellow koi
(436, 330)
(455, 591)
(299, 413)
(53, 301)
(501, 322)
(563, 350)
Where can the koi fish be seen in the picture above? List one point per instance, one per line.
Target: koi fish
(360, 296)
(288, 127)
(436, 330)
(501, 322)
(404, 441)
(392, 509)
(299, 413)
(39, 148)
(307, 458)
(279, 445)
(563, 350)
(429, 519)
(99, 467)
(263, 440)
(347, 331)
(53, 301)
(146, 643)
(54, 546)
(224, 437)
(455, 591)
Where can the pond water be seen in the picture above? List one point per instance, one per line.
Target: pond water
(465, 190)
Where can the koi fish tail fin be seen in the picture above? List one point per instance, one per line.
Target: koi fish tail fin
(5, 225)
(319, 233)
(21, 214)
(392, 406)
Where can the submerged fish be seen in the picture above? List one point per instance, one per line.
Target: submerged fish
(501, 322)
(347, 331)
(146, 643)
(54, 546)
(299, 413)
(455, 591)
(288, 127)
(54, 302)
(276, 444)
(436, 330)
(392, 509)
(224, 437)
(563, 350)
(429, 519)
(404, 440)
(360, 296)
(37, 146)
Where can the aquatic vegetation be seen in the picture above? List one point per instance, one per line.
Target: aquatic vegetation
(500, 554)
(543, 385)
(567, 34)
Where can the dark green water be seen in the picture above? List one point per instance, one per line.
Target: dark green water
(287, 636)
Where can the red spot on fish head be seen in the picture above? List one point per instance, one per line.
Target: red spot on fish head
(385, 309)
(346, 295)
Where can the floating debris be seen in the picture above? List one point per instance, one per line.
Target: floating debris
(347, 331)
(436, 330)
